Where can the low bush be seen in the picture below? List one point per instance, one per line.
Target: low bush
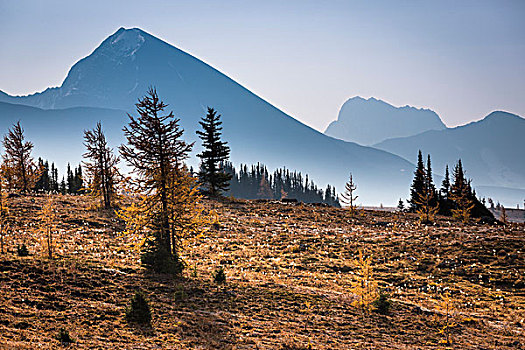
(22, 250)
(382, 304)
(219, 276)
(64, 337)
(139, 310)
(155, 257)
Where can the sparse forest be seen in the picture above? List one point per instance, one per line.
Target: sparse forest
(226, 257)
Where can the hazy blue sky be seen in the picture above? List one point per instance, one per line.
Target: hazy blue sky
(462, 59)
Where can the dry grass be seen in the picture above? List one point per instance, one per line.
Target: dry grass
(288, 271)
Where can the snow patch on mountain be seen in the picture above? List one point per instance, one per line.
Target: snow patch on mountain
(126, 42)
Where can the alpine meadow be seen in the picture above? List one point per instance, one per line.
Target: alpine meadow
(151, 200)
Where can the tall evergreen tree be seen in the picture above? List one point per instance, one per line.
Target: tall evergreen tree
(445, 185)
(429, 183)
(464, 203)
(62, 188)
(54, 184)
(460, 194)
(212, 177)
(418, 184)
(328, 195)
(445, 203)
(44, 179)
(78, 179)
(427, 204)
(70, 179)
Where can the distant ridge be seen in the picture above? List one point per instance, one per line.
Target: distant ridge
(369, 121)
(491, 149)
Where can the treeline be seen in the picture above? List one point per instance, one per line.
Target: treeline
(455, 198)
(255, 182)
(47, 179)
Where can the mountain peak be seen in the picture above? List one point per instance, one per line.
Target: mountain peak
(124, 42)
(501, 115)
(369, 121)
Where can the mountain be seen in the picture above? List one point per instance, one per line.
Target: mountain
(57, 134)
(122, 68)
(369, 121)
(491, 149)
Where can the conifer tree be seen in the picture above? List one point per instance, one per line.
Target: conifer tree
(365, 287)
(63, 186)
(418, 184)
(460, 195)
(426, 202)
(328, 195)
(20, 168)
(78, 179)
(212, 177)
(101, 166)
(54, 184)
(265, 191)
(348, 195)
(401, 205)
(44, 180)
(169, 209)
(445, 185)
(70, 180)
(429, 182)
(445, 203)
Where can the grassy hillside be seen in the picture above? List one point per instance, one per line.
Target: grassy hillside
(288, 277)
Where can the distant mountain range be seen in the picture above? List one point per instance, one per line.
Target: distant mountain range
(106, 84)
(369, 121)
(491, 149)
(58, 133)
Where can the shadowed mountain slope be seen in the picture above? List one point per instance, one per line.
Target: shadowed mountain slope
(122, 68)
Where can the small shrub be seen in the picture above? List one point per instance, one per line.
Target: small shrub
(155, 257)
(382, 304)
(22, 250)
(139, 311)
(364, 287)
(64, 337)
(179, 294)
(219, 276)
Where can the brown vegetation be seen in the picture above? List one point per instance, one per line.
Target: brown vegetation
(289, 272)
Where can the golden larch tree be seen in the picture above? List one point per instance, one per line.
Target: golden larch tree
(101, 167)
(48, 223)
(364, 287)
(167, 206)
(18, 165)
